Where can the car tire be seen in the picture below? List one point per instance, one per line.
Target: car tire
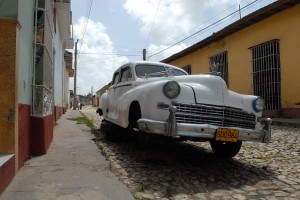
(225, 149)
(134, 116)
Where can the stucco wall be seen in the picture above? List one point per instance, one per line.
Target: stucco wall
(26, 20)
(284, 26)
(59, 69)
(9, 9)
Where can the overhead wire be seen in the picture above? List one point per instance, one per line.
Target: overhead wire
(103, 54)
(208, 20)
(87, 21)
(236, 13)
(132, 53)
(110, 52)
(203, 29)
(113, 55)
(150, 31)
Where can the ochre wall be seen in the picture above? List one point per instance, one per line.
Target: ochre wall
(284, 26)
(8, 86)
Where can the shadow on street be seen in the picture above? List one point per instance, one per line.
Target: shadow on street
(178, 167)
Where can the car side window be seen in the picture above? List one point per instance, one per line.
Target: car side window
(126, 75)
(115, 78)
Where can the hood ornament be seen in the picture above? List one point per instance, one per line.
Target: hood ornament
(214, 69)
(169, 71)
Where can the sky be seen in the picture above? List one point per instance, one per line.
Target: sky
(111, 33)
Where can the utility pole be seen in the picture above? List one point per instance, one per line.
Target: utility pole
(75, 76)
(92, 96)
(144, 54)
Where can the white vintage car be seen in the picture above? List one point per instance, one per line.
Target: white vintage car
(158, 98)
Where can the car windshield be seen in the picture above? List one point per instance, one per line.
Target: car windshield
(156, 71)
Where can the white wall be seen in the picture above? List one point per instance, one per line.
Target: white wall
(59, 70)
(25, 56)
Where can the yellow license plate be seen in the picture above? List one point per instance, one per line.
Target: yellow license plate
(227, 135)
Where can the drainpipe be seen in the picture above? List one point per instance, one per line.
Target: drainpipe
(75, 74)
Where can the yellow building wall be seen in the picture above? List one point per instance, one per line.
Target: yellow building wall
(8, 115)
(284, 26)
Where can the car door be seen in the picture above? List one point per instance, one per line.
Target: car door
(124, 85)
(111, 97)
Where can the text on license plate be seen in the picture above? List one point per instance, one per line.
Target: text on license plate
(227, 135)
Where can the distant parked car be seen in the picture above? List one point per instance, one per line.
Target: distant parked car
(158, 98)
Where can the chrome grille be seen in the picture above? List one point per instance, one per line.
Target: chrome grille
(214, 115)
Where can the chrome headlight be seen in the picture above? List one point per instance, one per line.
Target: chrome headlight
(258, 104)
(171, 89)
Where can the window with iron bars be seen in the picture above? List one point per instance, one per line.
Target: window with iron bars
(188, 69)
(42, 87)
(221, 62)
(266, 73)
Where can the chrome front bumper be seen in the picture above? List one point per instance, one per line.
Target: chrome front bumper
(173, 129)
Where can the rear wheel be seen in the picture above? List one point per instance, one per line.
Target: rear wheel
(225, 149)
(134, 116)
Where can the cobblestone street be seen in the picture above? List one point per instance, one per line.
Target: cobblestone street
(189, 170)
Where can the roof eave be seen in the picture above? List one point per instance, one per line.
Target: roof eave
(246, 21)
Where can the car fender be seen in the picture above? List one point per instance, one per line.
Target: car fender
(140, 93)
(103, 104)
(148, 95)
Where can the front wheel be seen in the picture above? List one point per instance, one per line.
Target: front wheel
(225, 149)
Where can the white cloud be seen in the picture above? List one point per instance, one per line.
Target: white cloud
(153, 48)
(95, 62)
(175, 18)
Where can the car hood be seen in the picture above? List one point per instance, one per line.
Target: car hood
(207, 89)
(210, 89)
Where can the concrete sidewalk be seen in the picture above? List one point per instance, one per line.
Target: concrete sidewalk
(72, 169)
